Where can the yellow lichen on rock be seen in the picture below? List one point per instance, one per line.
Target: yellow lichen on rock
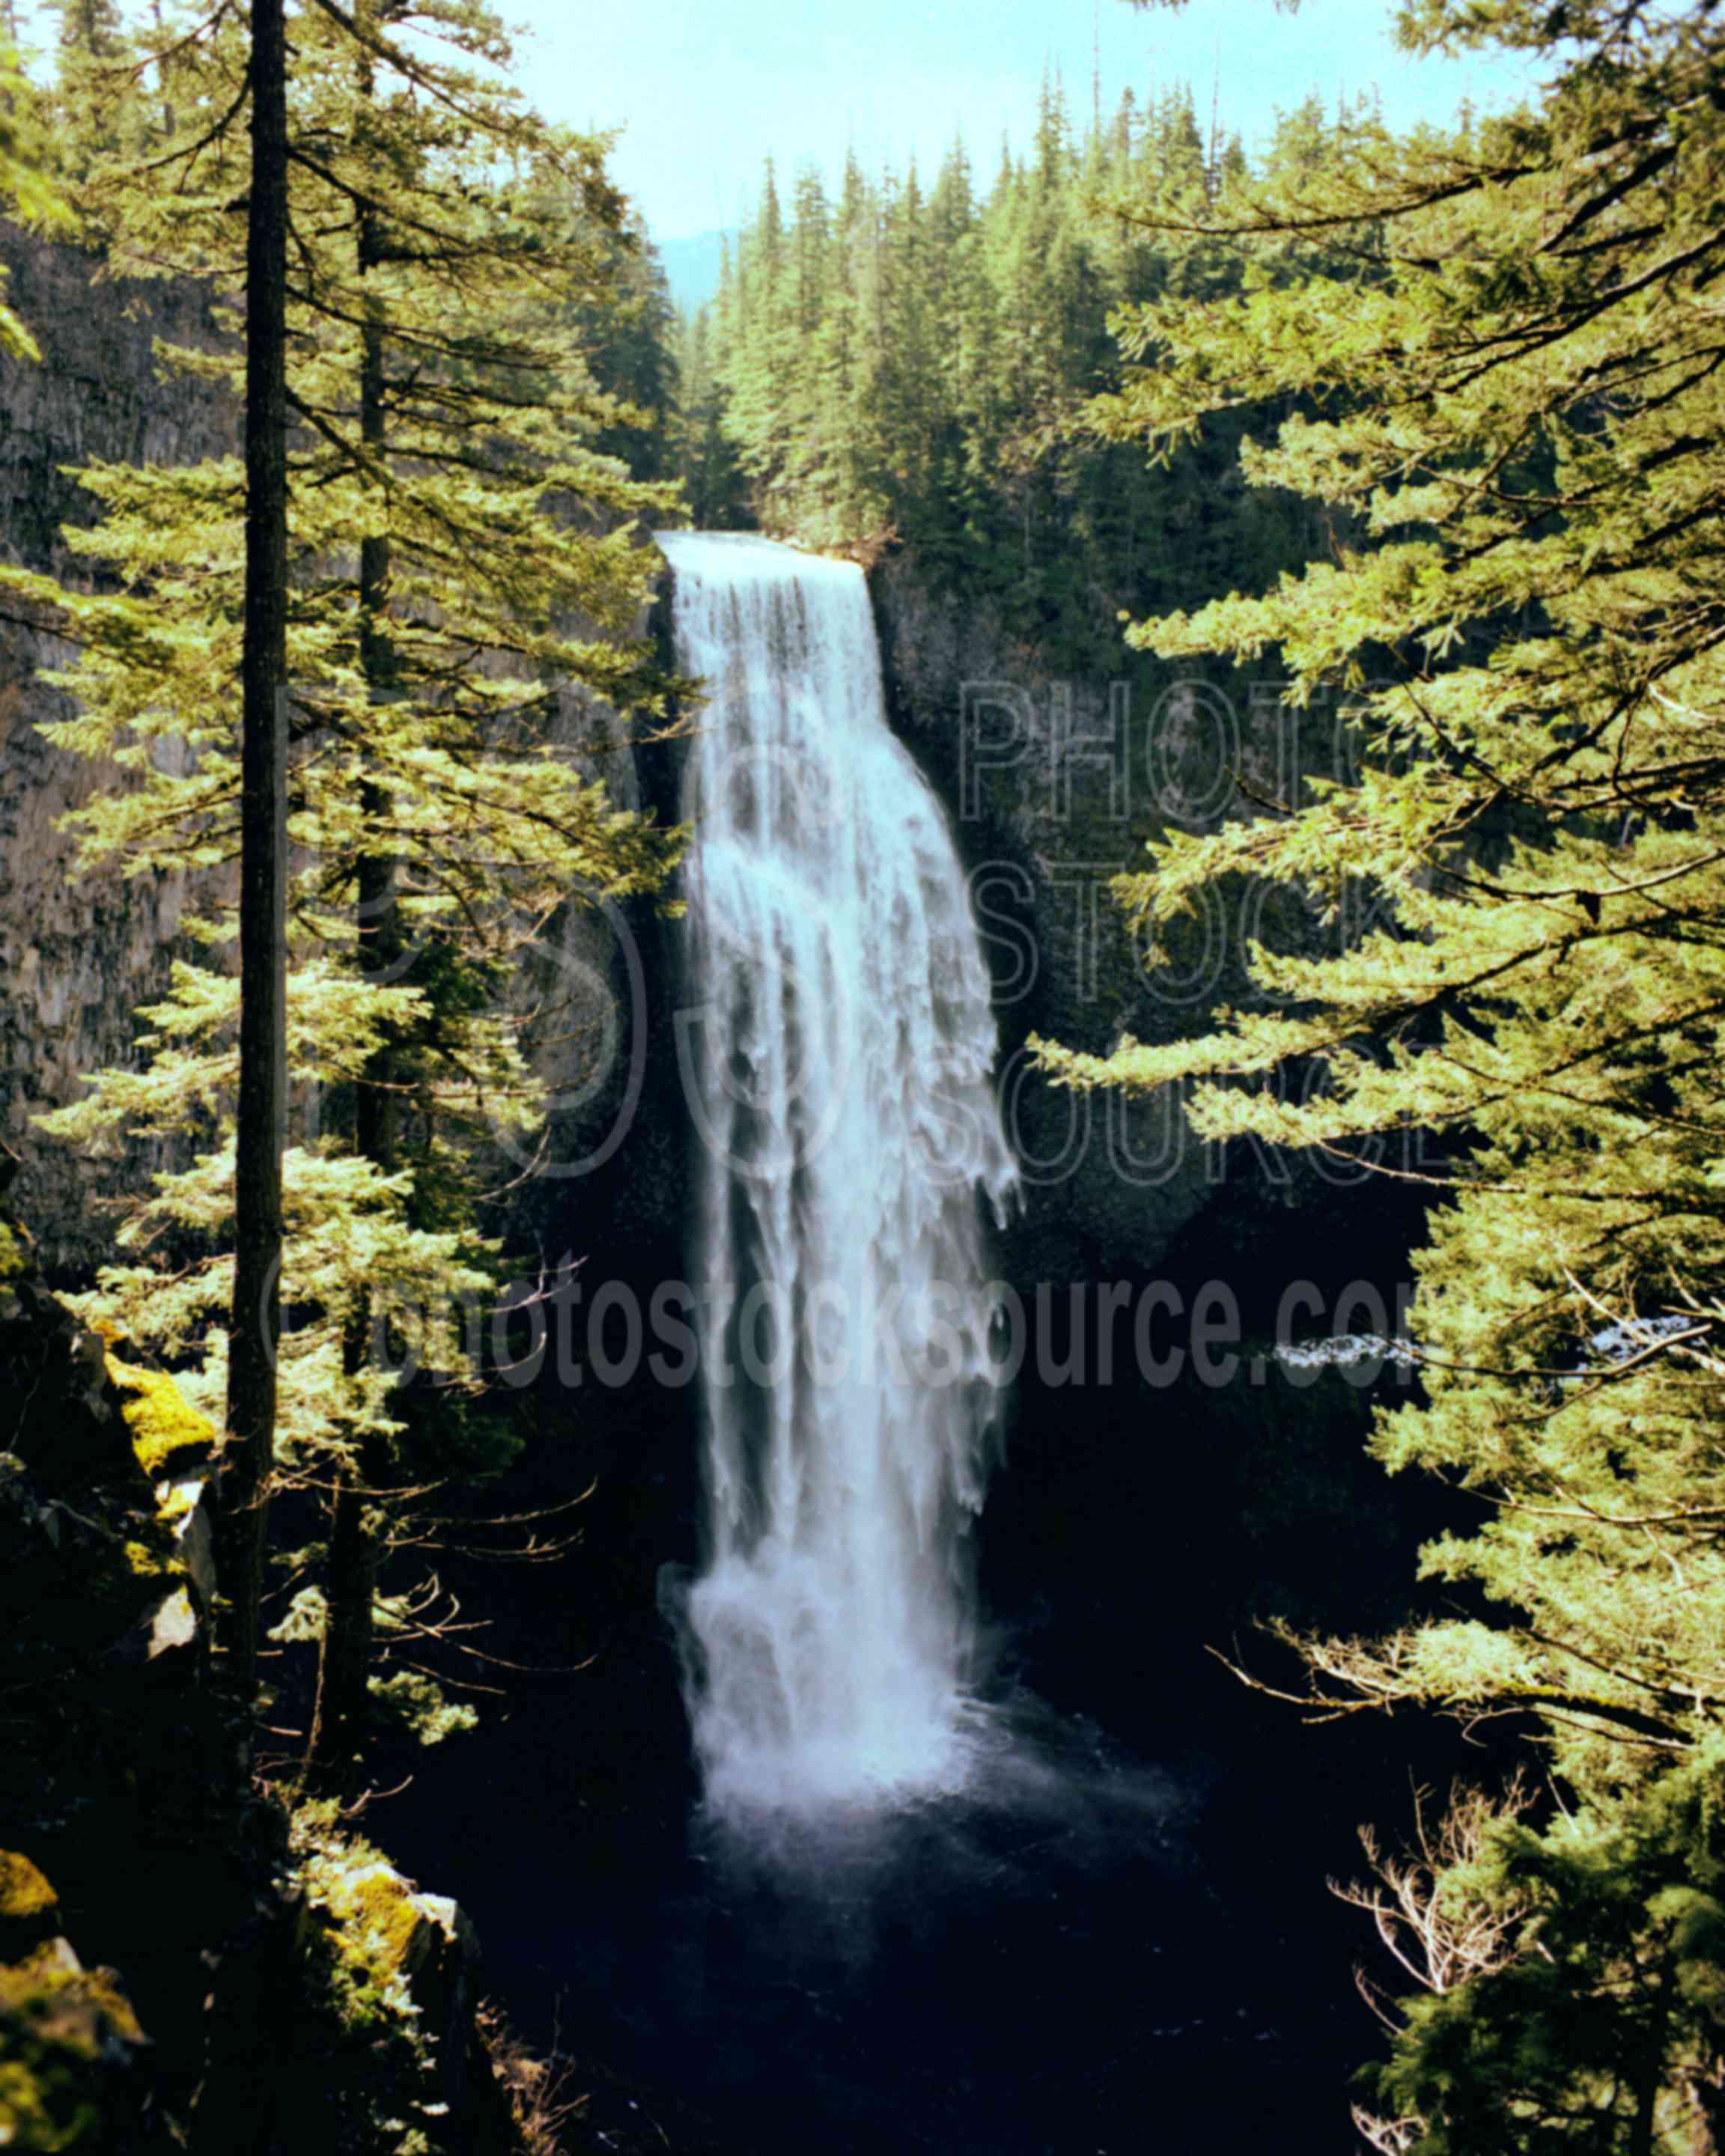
(24, 1893)
(167, 1430)
(377, 1918)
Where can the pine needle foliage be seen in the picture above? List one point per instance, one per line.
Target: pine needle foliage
(1495, 356)
(916, 360)
(467, 562)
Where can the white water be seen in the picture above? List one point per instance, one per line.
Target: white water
(839, 1057)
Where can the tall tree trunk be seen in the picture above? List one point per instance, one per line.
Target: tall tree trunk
(336, 1748)
(248, 1454)
(343, 1708)
(1650, 2083)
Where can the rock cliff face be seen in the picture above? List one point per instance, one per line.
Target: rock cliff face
(1056, 777)
(77, 954)
(80, 953)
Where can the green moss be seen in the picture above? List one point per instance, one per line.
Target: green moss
(40, 2109)
(145, 1563)
(85, 2007)
(14, 1254)
(60, 2029)
(370, 1923)
(360, 1960)
(24, 1890)
(375, 1916)
(167, 1430)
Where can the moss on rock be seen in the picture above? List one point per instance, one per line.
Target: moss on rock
(167, 1432)
(68, 2039)
(24, 1893)
(30, 1907)
(379, 1925)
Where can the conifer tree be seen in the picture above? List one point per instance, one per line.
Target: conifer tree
(704, 452)
(255, 1321)
(458, 549)
(1496, 353)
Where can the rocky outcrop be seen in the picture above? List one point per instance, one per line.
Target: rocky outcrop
(74, 2060)
(406, 1964)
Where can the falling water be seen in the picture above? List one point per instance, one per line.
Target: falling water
(839, 1059)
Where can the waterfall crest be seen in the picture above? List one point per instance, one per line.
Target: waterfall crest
(837, 1057)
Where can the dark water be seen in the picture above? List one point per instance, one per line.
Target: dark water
(1048, 1974)
(1092, 1954)
(1119, 1943)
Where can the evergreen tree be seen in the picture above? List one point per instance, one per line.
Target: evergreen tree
(459, 546)
(255, 1321)
(705, 454)
(1494, 357)
(630, 337)
(920, 364)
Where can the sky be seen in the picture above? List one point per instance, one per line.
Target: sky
(704, 89)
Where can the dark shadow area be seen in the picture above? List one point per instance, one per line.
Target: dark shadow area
(1124, 1941)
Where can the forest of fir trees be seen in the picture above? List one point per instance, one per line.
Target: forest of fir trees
(915, 363)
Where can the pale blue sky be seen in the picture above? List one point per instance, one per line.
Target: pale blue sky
(703, 90)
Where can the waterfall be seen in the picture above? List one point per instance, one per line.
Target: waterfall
(838, 1054)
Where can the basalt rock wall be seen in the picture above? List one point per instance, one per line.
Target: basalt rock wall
(81, 952)
(78, 952)
(1058, 764)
